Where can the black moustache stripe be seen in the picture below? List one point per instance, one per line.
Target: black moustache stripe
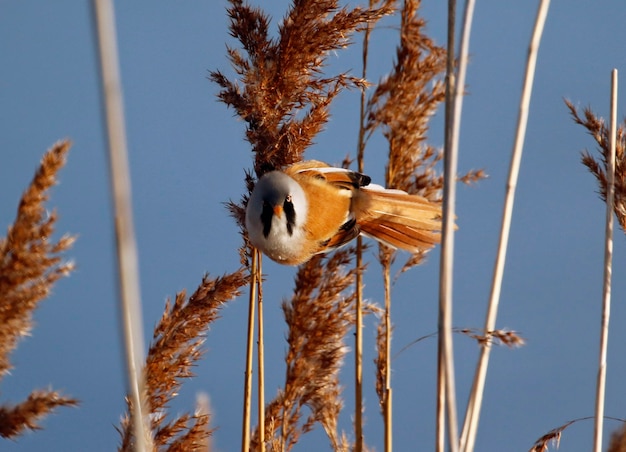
(266, 218)
(290, 213)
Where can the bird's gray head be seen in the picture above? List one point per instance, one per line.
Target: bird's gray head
(276, 211)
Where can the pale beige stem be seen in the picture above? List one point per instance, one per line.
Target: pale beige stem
(358, 352)
(260, 356)
(474, 404)
(446, 392)
(247, 390)
(608, 259)
(387, 391)
(128, 266)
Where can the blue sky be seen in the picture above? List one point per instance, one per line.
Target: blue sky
(188, 156)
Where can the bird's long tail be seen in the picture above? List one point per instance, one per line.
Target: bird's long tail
(398, 219)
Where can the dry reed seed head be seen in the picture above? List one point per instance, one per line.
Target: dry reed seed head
(598, 167)
(405, 100)
(14, 420)
(281, 92)
(29, 260)
(319, 316)
(175, 349)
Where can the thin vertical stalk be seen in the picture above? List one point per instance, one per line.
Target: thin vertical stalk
(358, 349)
(260, 356)
(358, 336)
(387, 401)
(247, 389)
(474, 404)
(608, 258)
(446, 392)
(128, 266)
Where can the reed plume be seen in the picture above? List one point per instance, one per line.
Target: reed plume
(319, 316)
(401, 108)
(598, 166)
(30, 265)
(283, 95)
(282, 92)
(175, 349)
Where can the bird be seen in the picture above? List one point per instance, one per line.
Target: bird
(311, 207)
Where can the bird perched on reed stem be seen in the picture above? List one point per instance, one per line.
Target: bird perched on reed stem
(311, 207)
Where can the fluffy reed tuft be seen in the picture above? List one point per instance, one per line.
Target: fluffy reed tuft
(319, 315)
(402, 106)
(281, 92)
(30, 264)
(175, 349)
(24, 415)
(598, 167)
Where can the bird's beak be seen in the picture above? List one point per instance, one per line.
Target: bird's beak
(278, 210)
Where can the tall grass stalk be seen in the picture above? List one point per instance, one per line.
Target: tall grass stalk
(358, 348)
(472, 415)
(446, 398)
(260, 354)
(387, 412)
(247, 389)
(358, 305)
(130, 298)
(608, 257)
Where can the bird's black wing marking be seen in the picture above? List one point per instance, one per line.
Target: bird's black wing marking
(340, 177)
(348, 231)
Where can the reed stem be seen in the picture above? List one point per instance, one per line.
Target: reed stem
(387, 401)
(261, 354)
(608, 258)
(128, 265)
(446, 397)
(472, 414)
(247, 391)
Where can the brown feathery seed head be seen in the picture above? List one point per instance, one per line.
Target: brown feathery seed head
(29, 260)
(598, 167)
(175, 349)
(281, 92)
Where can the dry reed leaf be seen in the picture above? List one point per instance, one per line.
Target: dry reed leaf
(30, 264)
(381, 362)
(319, 316)
(598, 167)
(499, 337)
(175, 349)
(554, 435)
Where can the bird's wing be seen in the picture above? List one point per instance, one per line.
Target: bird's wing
(340, 177)
(348, 231)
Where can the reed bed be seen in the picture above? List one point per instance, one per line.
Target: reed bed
(281, 90)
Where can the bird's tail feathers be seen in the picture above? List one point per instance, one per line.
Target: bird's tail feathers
(398, 219)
